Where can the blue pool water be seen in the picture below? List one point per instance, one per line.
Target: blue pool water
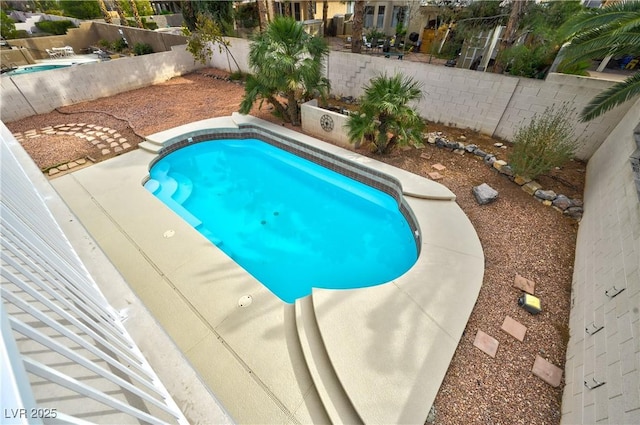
(34, 68)
(289, 222)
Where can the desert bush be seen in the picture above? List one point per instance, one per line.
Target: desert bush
(546, 142)
(119, 45)
(142, 49)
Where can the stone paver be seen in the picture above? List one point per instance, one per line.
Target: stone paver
(438, 167)
(435, 175)
(514, 328)
(525, 284)
(548, 372)
(486, 343)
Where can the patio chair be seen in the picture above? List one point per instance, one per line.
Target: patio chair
(53, 54)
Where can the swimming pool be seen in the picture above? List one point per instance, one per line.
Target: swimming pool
(29, 69)
(290, 222)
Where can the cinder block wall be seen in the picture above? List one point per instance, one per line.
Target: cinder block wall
(607, 261)
(534, 96)
(490, 103)
(41, 92)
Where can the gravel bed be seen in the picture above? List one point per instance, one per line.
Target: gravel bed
(518, 235)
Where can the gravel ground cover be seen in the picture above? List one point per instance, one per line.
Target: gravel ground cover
(518, 235)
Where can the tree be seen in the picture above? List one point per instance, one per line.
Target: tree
(105, 12)
(81, 9)
(206, 34)
(285, 59)
(518, 8)
(220, 11)
(7, 26)
(358, 20)
(385, 116)
(325, 16)
(540, 27)
(596, 33)
(262, 14)
(120, 11)
(136, 14)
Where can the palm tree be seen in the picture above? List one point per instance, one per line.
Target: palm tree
(104, 11)
(136, 14)
(263, 16)
(285, 59)
(325, 13)
(518, 8)
(596, 33)
(123, 19)
(385, 118)
(358, 20)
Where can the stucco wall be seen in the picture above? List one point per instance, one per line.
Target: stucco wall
(334, 128)
(90, 33)
(40, 92)
(607, 256)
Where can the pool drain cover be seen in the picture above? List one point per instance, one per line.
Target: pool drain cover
(245, 301)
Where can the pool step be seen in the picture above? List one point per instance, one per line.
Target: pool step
(183, 188)
(332, 394)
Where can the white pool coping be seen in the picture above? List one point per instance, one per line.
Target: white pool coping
(389, 346)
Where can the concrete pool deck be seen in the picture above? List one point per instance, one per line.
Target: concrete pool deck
(372, 355)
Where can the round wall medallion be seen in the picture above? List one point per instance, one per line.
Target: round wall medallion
(326, 122)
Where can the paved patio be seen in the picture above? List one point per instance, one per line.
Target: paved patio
(373, 355)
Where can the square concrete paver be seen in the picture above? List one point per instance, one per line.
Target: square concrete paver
(525, 284)
(438, 167)
(549, 373)
(435, 175)
(514, 328)
(486, 343)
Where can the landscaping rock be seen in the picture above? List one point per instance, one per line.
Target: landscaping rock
(451, 145)
(480, 153)
(531, 187)
(471, 148)
(484, 194)
(562, 202)
(576, 202)
(489, 159)
(574, 212)
(519, 180)
(546, 195)
(506, 170)
(440, 142)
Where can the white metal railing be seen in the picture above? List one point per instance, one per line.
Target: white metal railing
(65, 355)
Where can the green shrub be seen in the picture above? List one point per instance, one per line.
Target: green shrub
(546, 142)
(105, 44)
(146, 25)
(119, 45)
(142, 49)
(237, 76)
(55, 27)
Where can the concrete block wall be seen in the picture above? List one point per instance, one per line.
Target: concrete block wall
(490, 103)
(457, 97)
(607, 260)
(534, 96)
(41, 92)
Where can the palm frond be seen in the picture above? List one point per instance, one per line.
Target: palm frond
(612, 97)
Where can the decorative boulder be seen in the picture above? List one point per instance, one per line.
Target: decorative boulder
(484, 194)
